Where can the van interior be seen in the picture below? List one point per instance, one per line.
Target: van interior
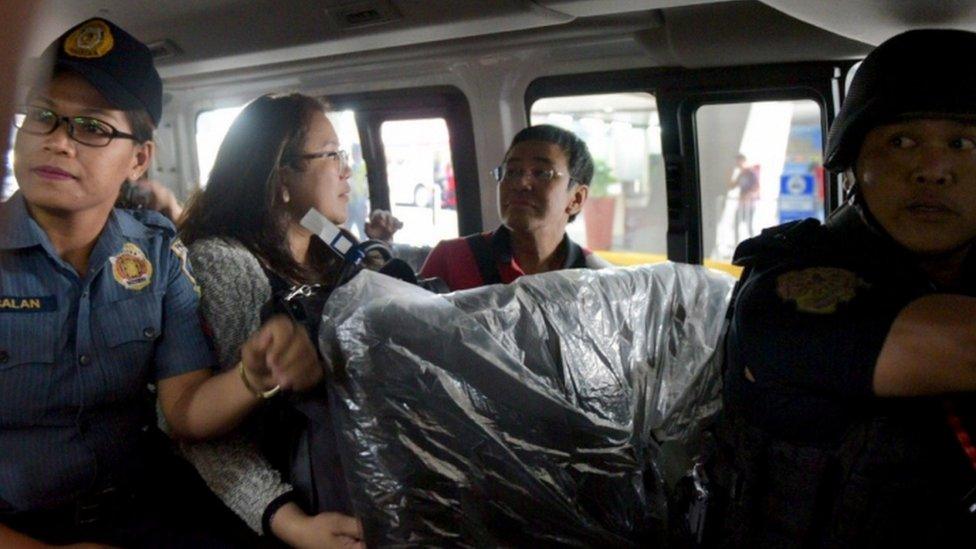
(426, 94)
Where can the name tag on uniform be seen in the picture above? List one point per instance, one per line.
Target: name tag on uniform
(28, 304)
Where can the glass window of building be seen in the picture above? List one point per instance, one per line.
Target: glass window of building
(760, 164)
(625, 217)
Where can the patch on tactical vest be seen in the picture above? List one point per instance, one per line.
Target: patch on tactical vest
(818, 290)
(92, 40)
(130, 268)
(28, 304)
(179, 249)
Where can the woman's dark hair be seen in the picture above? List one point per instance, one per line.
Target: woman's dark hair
(577, 153)
(242, 198)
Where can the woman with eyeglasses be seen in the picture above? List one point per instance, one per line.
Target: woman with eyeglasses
(96, 304)
(542, 185)
(280, 158)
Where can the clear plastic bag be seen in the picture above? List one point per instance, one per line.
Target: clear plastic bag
(528, 413)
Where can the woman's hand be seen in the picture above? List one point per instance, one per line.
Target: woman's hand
(198, 405)
(160, 198)
(382, 225)
(323, 531)
(281, 354)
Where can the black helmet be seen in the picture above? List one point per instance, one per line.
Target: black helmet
(919, 72)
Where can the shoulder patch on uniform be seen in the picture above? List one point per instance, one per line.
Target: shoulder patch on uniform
(131, 268)
(179, 250)
(818, 290)
(154, 219)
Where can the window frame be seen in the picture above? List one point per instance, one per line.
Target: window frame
(374, 108)
(679, 93)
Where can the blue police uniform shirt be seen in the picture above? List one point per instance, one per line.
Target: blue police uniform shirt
(77, 352)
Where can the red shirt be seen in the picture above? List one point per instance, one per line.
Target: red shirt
(454, 262)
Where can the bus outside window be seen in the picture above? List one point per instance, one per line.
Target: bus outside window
(625, 216)
(420, 174)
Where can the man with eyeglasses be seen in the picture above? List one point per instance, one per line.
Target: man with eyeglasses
(542, 185)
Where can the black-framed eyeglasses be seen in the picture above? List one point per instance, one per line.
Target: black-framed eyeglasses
(506, 174)
(340, 156)
(83, 129)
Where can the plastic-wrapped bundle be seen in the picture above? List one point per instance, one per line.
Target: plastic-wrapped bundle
(527, 413)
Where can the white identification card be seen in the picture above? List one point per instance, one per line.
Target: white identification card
(327, 231)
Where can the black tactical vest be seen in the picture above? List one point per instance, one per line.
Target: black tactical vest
(879, 485)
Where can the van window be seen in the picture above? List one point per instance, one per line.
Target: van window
(344, 122)
(211, 128)
(760, 164)
(9, 181)
(420, 176)
(625, 216)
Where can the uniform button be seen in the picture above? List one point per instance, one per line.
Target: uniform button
(4, 357)
(84, 360)
(149, 333)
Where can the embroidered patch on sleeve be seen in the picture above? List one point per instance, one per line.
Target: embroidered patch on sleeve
(818, 290)
(179, 249)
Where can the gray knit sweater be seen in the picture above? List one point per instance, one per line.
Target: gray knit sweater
(232, 289)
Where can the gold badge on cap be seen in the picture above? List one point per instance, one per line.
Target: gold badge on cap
(130, 267)
(89, 41)
(818, 290)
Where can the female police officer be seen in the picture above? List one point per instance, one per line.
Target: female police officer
(851, 355)
(95, 303)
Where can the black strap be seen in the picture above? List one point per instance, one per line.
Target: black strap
(485, 258)
(278, 284)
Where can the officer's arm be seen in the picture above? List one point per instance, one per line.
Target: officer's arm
(930, 349)
(198, 405)
(11, 539)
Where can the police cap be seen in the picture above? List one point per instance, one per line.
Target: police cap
(917, 73)
(113, 61)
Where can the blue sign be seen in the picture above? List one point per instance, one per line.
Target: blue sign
(797, 197)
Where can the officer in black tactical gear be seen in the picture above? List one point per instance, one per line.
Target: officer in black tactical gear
(851, 352)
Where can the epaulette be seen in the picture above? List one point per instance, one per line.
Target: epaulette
(154, 219)
(793, 238)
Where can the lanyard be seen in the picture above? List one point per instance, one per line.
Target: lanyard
(962, 435)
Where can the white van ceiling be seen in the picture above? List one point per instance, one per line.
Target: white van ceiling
(207, 36)
(874, 21)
